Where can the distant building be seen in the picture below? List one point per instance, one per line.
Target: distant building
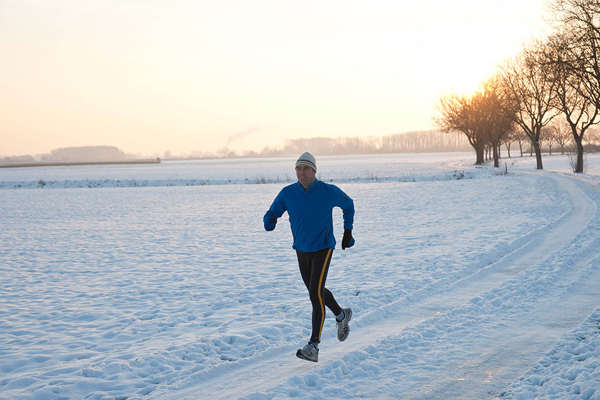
(17, 159)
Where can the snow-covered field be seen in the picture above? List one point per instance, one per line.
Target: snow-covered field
(160, 282)
(369, 168)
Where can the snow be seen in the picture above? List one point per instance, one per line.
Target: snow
(464, 282)
(370, 168)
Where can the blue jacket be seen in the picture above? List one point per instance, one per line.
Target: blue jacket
(310, 214)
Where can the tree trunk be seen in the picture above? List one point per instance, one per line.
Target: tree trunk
(479, 151)
(538, 154)
(496, 153)
(521, 147)
(579, 165)
(508, 149)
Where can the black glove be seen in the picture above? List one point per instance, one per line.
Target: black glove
(269, 221)
(347, 240)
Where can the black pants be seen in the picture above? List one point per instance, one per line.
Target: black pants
(314, 267)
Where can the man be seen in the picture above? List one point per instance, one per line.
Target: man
(309, 203)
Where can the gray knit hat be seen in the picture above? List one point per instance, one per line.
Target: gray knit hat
(307, 159)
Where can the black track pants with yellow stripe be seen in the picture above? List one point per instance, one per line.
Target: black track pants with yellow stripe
(314, 267)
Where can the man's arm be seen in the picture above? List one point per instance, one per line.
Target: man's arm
(275, 211)
(344, 201)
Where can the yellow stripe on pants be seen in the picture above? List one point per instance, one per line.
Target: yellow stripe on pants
(320, 291)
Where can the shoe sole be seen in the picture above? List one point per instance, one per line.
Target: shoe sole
(301, 356)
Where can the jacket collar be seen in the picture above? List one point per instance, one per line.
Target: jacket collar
(310, 188)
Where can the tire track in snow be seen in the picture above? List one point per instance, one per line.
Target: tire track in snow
(557, 295)
(523, 334)
(279, 365)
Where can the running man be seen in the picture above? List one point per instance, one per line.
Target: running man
(309, 203)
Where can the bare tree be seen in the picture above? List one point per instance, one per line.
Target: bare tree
(579, 21)
(593, 137)
(496, 110)
(527, 80)
(547, 138)
(596, 135)
(561, 133)
(519, 136)
(574, 96)
(486, 118)
(512, 137)
(507, 142)
(457, 113)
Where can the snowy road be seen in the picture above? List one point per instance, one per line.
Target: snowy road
(491, 326)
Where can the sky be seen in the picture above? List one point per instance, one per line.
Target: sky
(186, 76)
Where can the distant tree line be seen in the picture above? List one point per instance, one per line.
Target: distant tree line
(409, 142)
(417, 141)
(548, 94)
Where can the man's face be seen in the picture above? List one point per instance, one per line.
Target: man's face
(305, 175)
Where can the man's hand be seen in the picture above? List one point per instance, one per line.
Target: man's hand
(269, 221)
(347, 240)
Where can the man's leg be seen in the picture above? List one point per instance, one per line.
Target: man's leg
(314, 268)
(330, 302)
(342, 316)
(310, 263)
(305, 265)
(319, 296)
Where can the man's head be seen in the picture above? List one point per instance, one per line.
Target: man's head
(306, 169)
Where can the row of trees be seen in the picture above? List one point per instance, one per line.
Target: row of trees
(418, 141)
(414, 142)
(556, 137)
(555, 78)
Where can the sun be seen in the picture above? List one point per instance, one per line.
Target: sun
(467, 79)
